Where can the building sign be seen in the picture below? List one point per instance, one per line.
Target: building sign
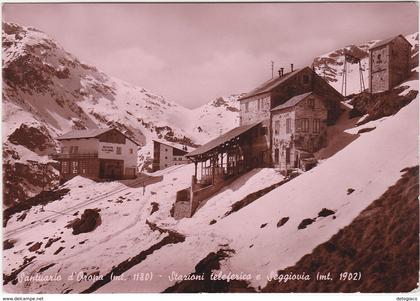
(107, 149)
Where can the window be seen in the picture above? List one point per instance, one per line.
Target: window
(246, 107)
(260, 104)
(287, 155)
(74, 167)
(74, 149)
(93, 168)
(288, 125)
(277, 127)
(131, 151)
(304, 125)
(276, 156)
(65, 167)
(263, 130)
(84, 167)
(118, 150)
(166, 157)
(298, 125)
(305, 79)
(311, 103)
(316, 125)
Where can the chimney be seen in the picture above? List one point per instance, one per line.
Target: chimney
(281, 72)
(291, 67)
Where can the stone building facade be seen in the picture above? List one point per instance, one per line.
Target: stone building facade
(299, 129)
(389, 62)
(262, 111)
(258, 105)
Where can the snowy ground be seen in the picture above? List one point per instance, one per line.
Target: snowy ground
(122, 234)
(363, 166)
(369, 165)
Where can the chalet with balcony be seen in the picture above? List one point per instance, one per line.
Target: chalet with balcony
(98, 154)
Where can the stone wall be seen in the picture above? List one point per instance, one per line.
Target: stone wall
(389, 65)
(312, 140)
(298, 84)
(399, 63)
(254, 109)
(182, 210)
(379, 69)
(199, 196)
(297, 140)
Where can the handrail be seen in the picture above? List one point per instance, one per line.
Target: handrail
(73, 156)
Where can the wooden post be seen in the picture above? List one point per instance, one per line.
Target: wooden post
(213, 163)
(195, 168)
(236, 162)
(221, 163)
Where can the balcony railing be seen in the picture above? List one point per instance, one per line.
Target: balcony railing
(59, 156)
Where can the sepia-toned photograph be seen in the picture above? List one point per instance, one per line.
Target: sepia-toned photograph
(210, 148)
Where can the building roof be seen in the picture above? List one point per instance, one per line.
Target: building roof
(387, 41)
(89, 133)
(175, 145)
(79, 134)
(292, 101)
(222, 139)
(272, 83)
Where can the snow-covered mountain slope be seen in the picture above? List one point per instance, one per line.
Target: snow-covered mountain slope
(59, 90)
(330, 65)
(137, 234)
(48, 91)
(216, 117)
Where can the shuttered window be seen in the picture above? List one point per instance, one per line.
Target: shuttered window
(305, 125)
(277, 127)
(288, 125)
(316, 125)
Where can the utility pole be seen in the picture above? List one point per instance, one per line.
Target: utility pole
(43, 167)
(272, 69)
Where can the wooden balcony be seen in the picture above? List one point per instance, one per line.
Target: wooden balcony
(60, 156)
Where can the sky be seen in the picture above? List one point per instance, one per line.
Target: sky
(194, 53)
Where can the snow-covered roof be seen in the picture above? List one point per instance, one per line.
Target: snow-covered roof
(387, 41)
(292, 101)
(271, 84)
(90, 133)
(79, 134)
(175, 145)
(222, 139)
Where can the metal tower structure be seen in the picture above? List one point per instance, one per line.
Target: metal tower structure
(348, 58)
